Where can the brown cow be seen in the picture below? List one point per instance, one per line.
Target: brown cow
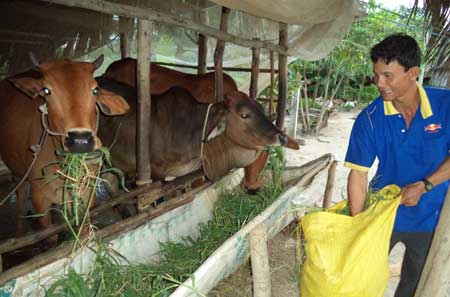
(200, 86)
(176, 133)
(162, 79)
(71, 95)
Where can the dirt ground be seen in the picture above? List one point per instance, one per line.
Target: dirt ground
(284, 277)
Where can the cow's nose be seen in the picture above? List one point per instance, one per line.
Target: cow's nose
(80, 141)
(283, 139)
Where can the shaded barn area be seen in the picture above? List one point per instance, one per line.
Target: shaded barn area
(256, 44)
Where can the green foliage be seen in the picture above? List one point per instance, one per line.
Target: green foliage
(350, 60)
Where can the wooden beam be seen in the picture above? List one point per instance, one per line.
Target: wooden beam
(151, 15)
(202, 45)
(231, 69)
(272, 82)
(255, 74)
(328, 195)
(218, 57)
(144, 103)
(282, 78)
(260, 262)
(28, 34)
(123, 30)
(434, 279)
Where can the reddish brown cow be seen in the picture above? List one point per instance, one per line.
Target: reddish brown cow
(200, 86)
(70, 94)
(177, 131)
(162, 79)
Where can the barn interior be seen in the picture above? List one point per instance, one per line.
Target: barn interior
(83, 30)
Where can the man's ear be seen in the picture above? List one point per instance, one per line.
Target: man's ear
(30, 86)
(414, 72)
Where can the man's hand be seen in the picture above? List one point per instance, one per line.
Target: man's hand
(411, 193)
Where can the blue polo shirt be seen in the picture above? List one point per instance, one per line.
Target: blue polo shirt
(405, 155)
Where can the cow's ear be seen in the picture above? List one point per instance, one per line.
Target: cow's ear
(217, 129)
(30, 86)
(112, 104)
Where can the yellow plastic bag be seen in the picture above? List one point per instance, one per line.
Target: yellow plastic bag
(348, 256)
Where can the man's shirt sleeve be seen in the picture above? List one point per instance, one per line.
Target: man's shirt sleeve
(361, 151)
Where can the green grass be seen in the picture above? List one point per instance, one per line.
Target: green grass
(114, 276)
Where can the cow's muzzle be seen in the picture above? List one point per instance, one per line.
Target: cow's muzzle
(283, 139)
(80, 141)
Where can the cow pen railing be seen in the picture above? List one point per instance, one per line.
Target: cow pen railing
(143, 197)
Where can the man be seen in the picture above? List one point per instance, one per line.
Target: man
(408, 129)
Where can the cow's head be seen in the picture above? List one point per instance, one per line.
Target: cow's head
(248, 126)
(71, 95)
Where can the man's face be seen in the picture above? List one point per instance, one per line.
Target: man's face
(393, 80)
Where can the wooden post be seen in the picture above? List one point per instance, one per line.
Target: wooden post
(202, 45)
(144, 103)
(255, 73)
(282, 78)
(328, 195)
(123, 29)
(218, 57)
(272, 82)
(434, 281)
(260, 262)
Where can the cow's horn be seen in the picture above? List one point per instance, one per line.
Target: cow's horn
(98, 62)
(33, 59)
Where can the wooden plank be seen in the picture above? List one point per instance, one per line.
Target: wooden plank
(135, 12)
(231, 69)
(144, 103)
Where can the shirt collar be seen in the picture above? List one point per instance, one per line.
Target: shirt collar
(425, 107)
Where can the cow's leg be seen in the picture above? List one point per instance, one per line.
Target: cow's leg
(252, 179)
(21, 195)
(41, 204)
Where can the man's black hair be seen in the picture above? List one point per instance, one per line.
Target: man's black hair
(398, 47)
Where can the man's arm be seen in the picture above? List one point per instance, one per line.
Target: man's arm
(412, 192)
(356, 190)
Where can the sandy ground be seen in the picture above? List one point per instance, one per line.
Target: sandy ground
(332, 139)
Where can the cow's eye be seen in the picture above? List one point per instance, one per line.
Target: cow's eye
(46, 91)
(244, 115)
(95, 91)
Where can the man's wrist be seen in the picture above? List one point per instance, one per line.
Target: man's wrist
(428, 185)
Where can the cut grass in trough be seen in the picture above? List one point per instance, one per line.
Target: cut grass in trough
(114, 276)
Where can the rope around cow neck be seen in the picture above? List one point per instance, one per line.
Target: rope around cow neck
(203, 136)
(36, 149)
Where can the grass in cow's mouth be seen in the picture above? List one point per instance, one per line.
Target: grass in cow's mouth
(80, 174)
(114, 276)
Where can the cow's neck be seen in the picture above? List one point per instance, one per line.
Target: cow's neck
(220, 155)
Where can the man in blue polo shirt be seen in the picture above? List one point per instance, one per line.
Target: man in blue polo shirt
(408, 129)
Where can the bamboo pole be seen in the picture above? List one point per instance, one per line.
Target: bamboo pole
(434, 281)
(123, 29)
(255, 74)
(272, 82)
(237, 69)
(328, 195)
(135, 12)
(260, 262)
(202, 45)
(144, 103)
(218, 57)
(282, 78)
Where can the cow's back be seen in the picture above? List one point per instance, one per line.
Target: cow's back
(163, 78)
(176, 126)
